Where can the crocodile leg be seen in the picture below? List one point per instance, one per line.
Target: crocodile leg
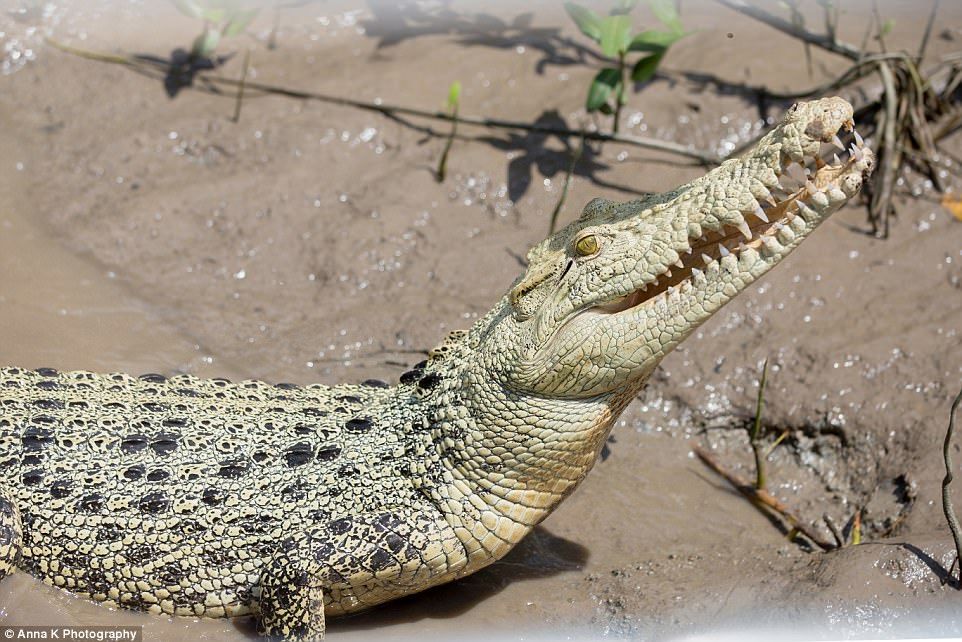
(352, 563)
(11, 534)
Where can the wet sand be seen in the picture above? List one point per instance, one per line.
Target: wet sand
(310, 242)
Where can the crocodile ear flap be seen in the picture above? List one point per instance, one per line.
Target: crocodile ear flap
(596, 208)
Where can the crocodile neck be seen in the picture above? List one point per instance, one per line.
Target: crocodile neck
(500, 460)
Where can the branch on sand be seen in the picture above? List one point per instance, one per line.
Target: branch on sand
(908, 119)
(763, 500)
(148, 65)
(947, 507)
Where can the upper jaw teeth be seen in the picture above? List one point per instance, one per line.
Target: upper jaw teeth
(817, 189)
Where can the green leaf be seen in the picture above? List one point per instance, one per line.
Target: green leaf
(454, 95)
(615, 35)
(205, 43)
(667, 14)
(623, 7)
(887, 27)
(239, 21)
(654, 41)
(607, 80)
(645, 68)
(188, 8)
(213, 14)
(587, 20)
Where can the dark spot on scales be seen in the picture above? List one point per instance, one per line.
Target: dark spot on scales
(327, 453)
(133, 443)
(60, 488)
(157, 475)
(35, 439)
(298, 454)
(48, 404)
(153, 503)
(380, 560)
(135, 472)
(359, 424)
(347, 470)
(47, 372)
(286, 386)
(429, 381)
(341, 526)
(47, 385)
(212, 497)
(32, 477)
(375, 383)
(165, 443)
(348, 399)
(232, 469)
(92, 503)
(152, 377)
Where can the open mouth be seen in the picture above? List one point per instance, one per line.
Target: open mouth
(790, 208)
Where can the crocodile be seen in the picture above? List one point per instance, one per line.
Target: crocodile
(293, 503)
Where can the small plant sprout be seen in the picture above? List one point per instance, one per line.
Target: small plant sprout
(222, 18)
(454, 102)
(755, 435)
(614, 34)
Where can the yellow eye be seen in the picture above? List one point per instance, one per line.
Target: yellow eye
(587, 245)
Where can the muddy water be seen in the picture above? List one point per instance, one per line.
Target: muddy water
(311, 243)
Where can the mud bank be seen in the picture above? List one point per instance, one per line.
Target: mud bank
(311, 243)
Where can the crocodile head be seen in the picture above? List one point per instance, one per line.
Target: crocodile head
(604, 299)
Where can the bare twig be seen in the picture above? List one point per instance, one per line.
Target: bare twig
(825, 42)
(575, 157)
(837, 534)
(703, 156)
(762, 499)
(947, 507)
(928, 31)
(443, 163)
(857, 527)
(889, 157)
(879, 35)
(755, 434)
(240, 88)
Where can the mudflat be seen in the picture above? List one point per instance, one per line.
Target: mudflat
(309, 242)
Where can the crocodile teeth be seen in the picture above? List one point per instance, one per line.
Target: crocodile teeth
(678, 263)
(668, 273)
(707, 259)
(796, 172)
(767, 197)
(856, 153)
(838, 142)
(807, 212)
(858, 139)
(810, 187)
(760, 213)
(723, 250)
(836, 159)
(745, 230)
(697, 274)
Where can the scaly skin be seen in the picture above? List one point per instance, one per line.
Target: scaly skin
(204, 497)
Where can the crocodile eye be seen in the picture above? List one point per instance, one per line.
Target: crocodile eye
(587, 245)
